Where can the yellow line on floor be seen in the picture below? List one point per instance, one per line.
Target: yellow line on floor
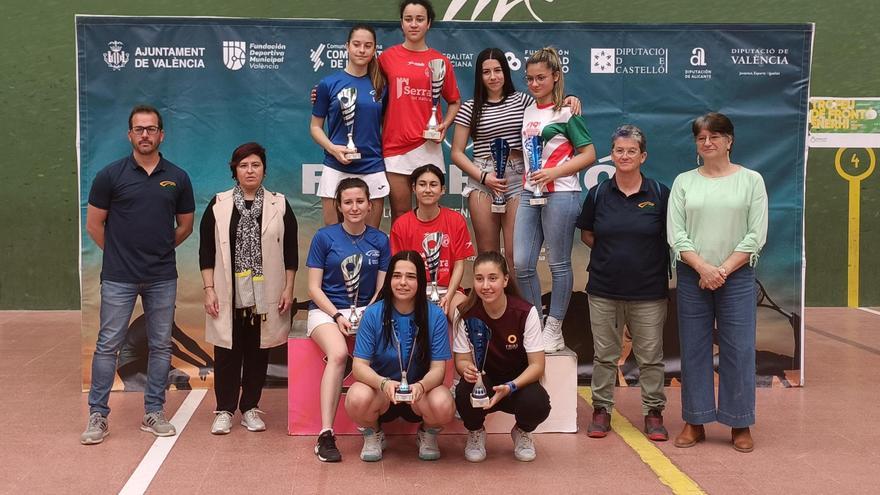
(666, 471)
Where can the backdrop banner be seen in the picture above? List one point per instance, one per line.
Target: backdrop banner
(220, 82)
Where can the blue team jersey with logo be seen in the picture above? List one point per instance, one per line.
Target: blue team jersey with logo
(367, 121)
(370, 343)
(331, 245)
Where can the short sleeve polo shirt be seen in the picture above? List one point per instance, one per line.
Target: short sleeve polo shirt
(630, 257)
(141, 210)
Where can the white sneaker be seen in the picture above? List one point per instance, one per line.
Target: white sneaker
(251, 420)
(222, 423)
(374, 444)
(523, 446)
(427, 440)
(553, 340)
(475, 450)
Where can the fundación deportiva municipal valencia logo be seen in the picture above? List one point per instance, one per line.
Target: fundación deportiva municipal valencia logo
(115, 57)
(234, 54)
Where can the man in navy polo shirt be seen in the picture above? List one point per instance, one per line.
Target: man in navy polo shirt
(623, 220)
(140, 208)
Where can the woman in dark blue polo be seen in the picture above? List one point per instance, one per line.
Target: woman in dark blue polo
(623, 221)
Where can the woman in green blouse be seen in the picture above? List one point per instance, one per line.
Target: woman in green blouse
(716, 226)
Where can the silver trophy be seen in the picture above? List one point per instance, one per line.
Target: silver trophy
(500, 153)
(347, 103)
(431, 245)
(479, 335)
(351, 273)
(403, 392)
(437, 69)
(534, 148)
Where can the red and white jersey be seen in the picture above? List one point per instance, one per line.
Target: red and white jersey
(408, 232)
(561, 133)
(409, 97)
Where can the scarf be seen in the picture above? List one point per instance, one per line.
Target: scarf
(249, 280)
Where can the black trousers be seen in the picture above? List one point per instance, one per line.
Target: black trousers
(242, 369)
(529, 405)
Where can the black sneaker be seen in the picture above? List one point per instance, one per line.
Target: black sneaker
(600, 425)
(326, 449)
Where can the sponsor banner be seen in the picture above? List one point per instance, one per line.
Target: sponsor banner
(844, 122)
(221, 82)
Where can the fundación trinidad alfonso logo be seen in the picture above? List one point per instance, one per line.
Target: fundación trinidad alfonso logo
(602, 60)
(234, 54)
(115, 57)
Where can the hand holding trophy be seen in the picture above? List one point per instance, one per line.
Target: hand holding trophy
(479, 335)
(534, 150)
(431, 245)
(500, 154)
(347, 102)
(351, 273)
(404, 392)
(437, 68)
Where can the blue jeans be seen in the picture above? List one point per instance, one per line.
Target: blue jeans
(117, 304)
(733, 308)
(554, 224)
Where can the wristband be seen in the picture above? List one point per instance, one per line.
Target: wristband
(511, 386)
(382, 384)
(337, 315)
(483, 178)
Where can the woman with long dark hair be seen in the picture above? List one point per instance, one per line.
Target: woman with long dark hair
(407, 68)
(514, 361)
(495, 112)
(401, 332)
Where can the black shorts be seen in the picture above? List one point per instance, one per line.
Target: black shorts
(402, 410)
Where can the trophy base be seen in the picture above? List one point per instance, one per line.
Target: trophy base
(352, 156)
(480, 402)
(496, 208)
(352, 331)
(432, 134)
(539, 201)
(403, 396)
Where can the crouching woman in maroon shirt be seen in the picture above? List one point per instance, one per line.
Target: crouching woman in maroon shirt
(514, 359)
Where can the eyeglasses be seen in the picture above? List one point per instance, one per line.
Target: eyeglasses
(713, 138)
(631, 153)
(151, 130)
(540, 78)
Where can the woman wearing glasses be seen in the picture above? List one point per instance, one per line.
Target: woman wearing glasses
(495, 112)
(717, 225)
(550, 201)
(623, 221)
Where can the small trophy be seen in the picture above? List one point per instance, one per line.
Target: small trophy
(403, 392)
(500, 153)
(431, 245)
(437, 69)
(347, 103)
(351, 273)
(479, 335)
(534, 148)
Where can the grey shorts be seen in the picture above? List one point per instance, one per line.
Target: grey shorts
(513, 173)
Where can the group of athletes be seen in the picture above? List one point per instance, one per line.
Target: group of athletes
(714, 219)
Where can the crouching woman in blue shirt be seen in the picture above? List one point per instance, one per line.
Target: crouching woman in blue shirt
(402, 320)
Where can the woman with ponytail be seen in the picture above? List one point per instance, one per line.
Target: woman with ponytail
(362, 75)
